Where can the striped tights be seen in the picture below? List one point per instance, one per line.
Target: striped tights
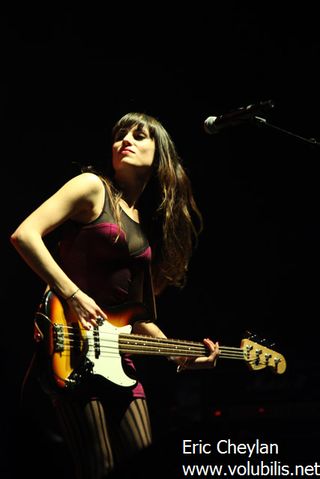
(98, 439)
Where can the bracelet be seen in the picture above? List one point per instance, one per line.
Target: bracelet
(73, 295)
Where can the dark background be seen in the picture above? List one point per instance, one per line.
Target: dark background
(67, 75)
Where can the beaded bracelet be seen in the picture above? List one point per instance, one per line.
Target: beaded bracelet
(73, 294)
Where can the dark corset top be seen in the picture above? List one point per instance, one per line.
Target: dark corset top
(108, 264)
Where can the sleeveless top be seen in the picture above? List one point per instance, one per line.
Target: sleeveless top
(109, 265)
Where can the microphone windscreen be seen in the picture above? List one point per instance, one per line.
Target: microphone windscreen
(209, 124)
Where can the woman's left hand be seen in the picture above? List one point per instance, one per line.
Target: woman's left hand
(201, 362)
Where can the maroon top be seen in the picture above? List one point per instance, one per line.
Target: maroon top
(110, 270)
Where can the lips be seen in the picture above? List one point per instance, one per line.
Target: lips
(125, 150)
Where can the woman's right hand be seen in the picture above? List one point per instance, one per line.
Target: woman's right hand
(87, 310)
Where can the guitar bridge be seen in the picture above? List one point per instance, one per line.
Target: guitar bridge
(58, 338)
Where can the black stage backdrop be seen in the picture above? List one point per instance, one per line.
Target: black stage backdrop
(67, 76)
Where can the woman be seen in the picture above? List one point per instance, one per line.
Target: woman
(125, 236)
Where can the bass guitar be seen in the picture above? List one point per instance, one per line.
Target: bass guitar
(71, 352)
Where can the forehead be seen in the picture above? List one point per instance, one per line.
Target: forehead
(133, 125)
(137, 127)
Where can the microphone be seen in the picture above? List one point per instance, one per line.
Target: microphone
(213, 124)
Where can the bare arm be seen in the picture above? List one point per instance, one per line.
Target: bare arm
(80, 199)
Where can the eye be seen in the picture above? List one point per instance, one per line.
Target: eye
(139, 135)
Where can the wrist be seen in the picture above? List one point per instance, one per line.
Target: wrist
(72, 296)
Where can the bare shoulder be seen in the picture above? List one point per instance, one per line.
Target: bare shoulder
(82, 196)
(86, 183)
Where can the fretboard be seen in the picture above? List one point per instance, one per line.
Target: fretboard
(148, 345)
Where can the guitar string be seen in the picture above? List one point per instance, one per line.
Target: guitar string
(66, 353)
(186, 347)
(76, 345)
(261, 362)
(197, 348)
(224, 354)
(107, 351)
(136, 338)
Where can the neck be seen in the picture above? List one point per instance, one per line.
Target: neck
(132, 185)
(130, 193)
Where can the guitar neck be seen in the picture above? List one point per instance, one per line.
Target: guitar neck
(147, 345)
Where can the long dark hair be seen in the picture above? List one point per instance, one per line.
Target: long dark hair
(168, 210)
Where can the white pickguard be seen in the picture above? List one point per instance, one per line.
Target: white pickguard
(109, 362)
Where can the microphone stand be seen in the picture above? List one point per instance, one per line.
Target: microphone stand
(263, 121)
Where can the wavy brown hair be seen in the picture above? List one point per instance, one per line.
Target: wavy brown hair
(168, 210)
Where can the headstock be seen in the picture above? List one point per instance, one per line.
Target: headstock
(259, 355)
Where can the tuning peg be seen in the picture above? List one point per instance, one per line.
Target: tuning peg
(268, 342)
(252, 336)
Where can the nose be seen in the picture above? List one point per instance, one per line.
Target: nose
(128, 138)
